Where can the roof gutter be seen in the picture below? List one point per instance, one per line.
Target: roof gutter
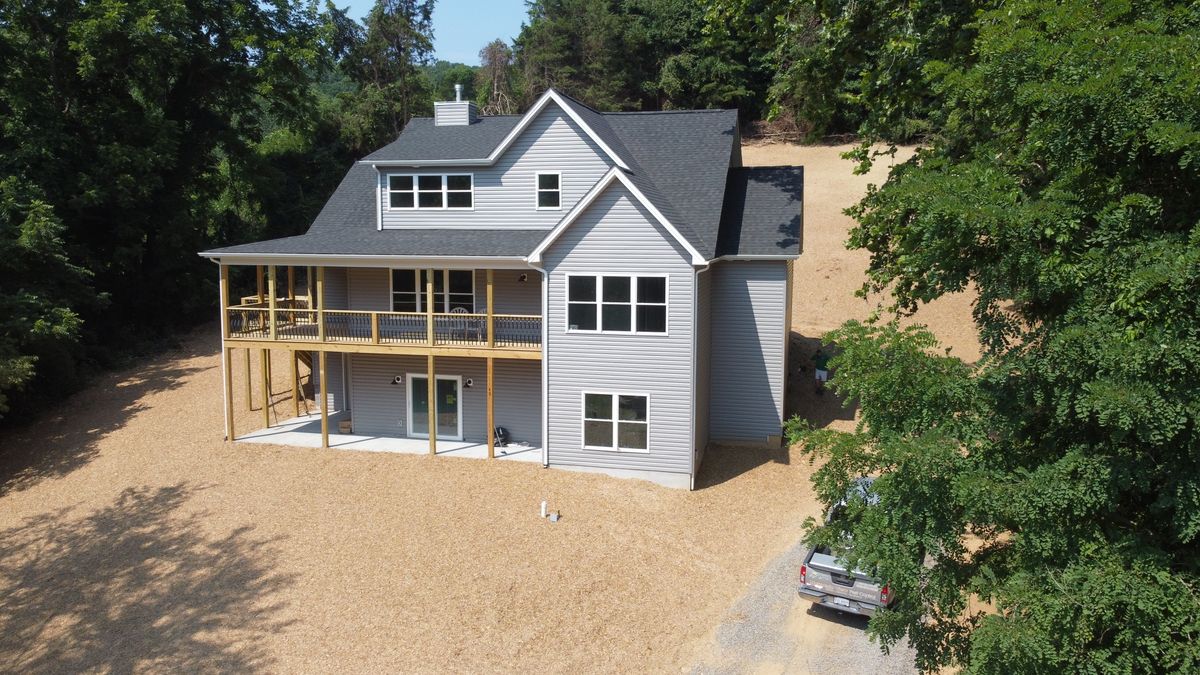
(354, 260)
(755, 257)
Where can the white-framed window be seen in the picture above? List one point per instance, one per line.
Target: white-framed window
(549, 190)
(451, 289)
(617, 303)
(431, 191)
(617, 422)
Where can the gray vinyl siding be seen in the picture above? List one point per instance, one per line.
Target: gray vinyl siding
(336, 287)
(617, 235)
(504, 191)
(370, 288)
(453, 112)
(380, 407)
(703, 351)
(749, 309)
(336, 380)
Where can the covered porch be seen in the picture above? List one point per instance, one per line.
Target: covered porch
(305, 432)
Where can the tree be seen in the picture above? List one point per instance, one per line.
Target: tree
(443, 75)
(385, 66)
(1057, 480)
(494, 79)
(117, 116)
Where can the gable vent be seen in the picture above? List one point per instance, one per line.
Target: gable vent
(456, 112)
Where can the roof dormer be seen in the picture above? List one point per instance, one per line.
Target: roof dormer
(455, 113)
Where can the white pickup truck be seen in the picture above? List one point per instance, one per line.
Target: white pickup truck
(824, 580)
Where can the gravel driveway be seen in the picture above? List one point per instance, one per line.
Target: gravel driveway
(770, 630)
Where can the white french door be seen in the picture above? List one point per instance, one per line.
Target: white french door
(447, 411)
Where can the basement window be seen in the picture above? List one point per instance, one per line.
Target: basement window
(619, 422)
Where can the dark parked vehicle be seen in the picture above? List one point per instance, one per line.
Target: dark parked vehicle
(824, 580)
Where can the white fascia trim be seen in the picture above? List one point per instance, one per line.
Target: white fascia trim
(530, 115)
(472, 262)
(614, 174)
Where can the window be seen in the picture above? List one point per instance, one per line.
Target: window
(431, 192)
(618, 422)
(617, 304)
(451, 289)
(549, 190)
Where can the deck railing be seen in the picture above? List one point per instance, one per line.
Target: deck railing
(294, 321)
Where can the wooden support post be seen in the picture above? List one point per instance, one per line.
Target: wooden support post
(249, 381)
(324, 400)
(227, 359)
(375, 327)
(271, 301)
(491, 405)
(321, 304)
(429, 307)
(491, 333)
(266, 387)
(432, 407)
(296, 381)
(224, 302)
(291, 290)
(258, 275)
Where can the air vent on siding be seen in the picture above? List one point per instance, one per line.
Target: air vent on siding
(456, 112)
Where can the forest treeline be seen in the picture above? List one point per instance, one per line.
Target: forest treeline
(134, 133)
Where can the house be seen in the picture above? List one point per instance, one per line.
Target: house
(610, 288)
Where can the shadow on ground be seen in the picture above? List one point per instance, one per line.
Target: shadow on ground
(135, 585)
(840, 618)
(820, 409)
(66, 437)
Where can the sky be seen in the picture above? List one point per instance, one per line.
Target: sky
(462, 27)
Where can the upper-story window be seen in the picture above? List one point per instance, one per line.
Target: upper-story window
(452, 289)
(616, 303)
(549, 190)
(438, 191)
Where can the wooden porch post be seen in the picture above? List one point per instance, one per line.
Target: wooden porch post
(291, 296)
(429, 309)
(249, 380)
(321, 304)
(432, 407)
(491, 399)
(258, 275)
(224, 283)
(271, 301)
(324, 399)
(296, 381)
(266, 387)
(491, 339)
(227, 359)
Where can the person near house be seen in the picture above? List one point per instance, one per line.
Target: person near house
(821, 367)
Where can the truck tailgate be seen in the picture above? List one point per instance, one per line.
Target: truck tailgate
(826, 574)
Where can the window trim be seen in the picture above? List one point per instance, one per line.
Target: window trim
(386, 193)
(583, 420)
(633, 304)
(445, 295)
(537, 190)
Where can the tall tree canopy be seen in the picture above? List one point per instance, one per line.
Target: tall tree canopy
(1055, 485)
(386, 67)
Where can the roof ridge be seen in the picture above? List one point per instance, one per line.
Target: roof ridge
(671, 112)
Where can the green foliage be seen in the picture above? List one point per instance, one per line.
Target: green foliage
(443, 75)
(638, 54)
(1058, 479)
(385, 64)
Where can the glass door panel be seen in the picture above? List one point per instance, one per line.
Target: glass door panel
(447, 408)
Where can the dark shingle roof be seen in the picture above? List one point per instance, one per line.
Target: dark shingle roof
(763, 211)
(680, 160)
(421, 139)
(346, 226)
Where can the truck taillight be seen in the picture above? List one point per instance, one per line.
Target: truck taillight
(885, 594)
(803, 573)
